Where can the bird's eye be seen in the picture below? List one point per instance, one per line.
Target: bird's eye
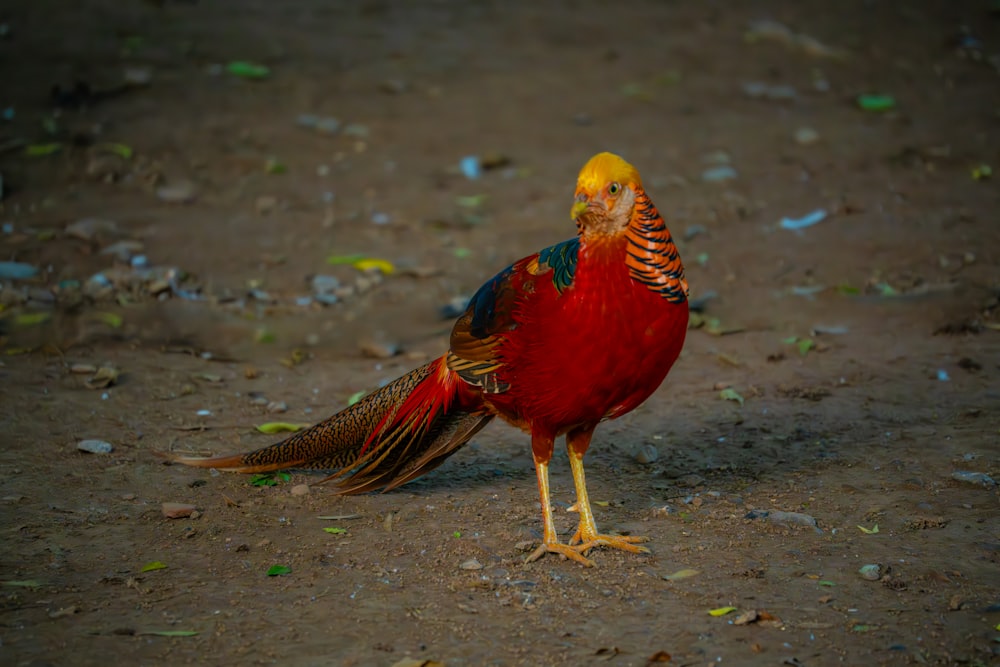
(614, 189)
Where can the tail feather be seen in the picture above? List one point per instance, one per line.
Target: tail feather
(386, 439)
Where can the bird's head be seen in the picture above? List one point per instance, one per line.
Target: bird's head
(605, 195)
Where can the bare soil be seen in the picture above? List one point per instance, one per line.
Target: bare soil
(864, 426)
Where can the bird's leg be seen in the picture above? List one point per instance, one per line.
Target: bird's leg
(586, 536)
(541, 449)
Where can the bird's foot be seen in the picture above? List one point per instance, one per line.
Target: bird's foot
(586, 542)
(565, 550)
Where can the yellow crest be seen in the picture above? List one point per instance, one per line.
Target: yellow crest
(606, 168)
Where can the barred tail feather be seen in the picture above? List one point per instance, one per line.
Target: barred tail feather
(393, 435)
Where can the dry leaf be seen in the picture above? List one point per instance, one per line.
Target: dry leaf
(103, 378)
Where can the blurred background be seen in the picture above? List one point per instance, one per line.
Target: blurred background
(216, 212)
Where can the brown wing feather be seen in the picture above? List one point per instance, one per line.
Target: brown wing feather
(478, 333)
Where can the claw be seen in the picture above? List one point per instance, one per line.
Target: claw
(623, 542)
(565, 550)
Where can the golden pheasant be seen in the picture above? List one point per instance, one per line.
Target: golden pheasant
(556, 343)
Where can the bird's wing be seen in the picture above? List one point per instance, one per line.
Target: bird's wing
(491, 312)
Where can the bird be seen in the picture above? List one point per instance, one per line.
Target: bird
(578, 333)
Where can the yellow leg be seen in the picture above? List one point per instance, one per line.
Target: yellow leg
(586, 536)
(542, 449)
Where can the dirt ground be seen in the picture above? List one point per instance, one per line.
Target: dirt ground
(845, 371)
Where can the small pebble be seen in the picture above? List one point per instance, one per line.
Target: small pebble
(718, 174)
(694, 230)
(470, 168)
(977, 478)
(380, 218)
(325, 289)
(356, 130)
(870, 572)
(123, 250)
(204, 413)
(380, 349)
(328, 125)
(17, 271)
(277, 407)
(778, 516)
(759, 90)
(95, 446)
(265, 204)
(806, 136)
(177, 510)
(181, 192)
(647, 453)
(90, 228)
(300, 490)
(393, 86)
(471, 564)
(137, 76)
(455, 307)
(41, 295)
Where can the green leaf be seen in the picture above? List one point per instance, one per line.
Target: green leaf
(344, 259)
(805, 345)
(170, 633)
(457, 534)
(132, 43)
(121, 150)
(263, 479)
(847, 290)
(791, 340)
(824, 582)
(869, 531)
(274, 167)
(263, 336)
(155, 565)
(31, 319)
(279, 427)
(471, 201)
(335, 531)
(41, 150)
(368, 263)
(462, 253)
(885, 289)
(355, 397)
(721, 611)
(248, 70)
(278, 570)
(876, 102)
(24, 583)
(730, 394)
(111, 319)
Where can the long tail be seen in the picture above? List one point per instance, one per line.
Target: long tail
(393, 435)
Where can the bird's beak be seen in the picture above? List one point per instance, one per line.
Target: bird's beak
(579, 206)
